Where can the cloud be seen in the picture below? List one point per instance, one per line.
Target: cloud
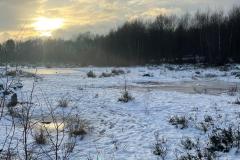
(98, 16)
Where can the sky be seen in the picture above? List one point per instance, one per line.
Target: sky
(23, 19)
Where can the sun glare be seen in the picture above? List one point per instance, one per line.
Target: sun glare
(45, 26)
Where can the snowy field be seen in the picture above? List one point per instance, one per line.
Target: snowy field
(126, 131)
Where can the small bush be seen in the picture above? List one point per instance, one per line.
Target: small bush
(208, 119)
(198, 154)
(160, 147)
(221, 140)
(63, 102)
(8, 154)
(203, 126)
(91, 74)
(188, 156)
(14, 112)
(179, 121)
(147, 75)
(14, 100)
(126, 97)
(11, 73)
(210, 75)
(237, 101)
(20, 73)
(68, 147)
(77, 127)
(1, 87)
(117, 72)
(106, 75)
(232, 91)
(40, 137)
(206, 123)
(188, 143)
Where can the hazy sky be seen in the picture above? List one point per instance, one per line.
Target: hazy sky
(66, 18)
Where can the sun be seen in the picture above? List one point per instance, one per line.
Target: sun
(45, 26)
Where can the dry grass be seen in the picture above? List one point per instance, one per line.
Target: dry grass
(63, 102)
(14, 73)
(78, 126)
(40, 136)
(237, 101)
(179, 121)
(117, 71)
(126, 97)
(232, 91)
(91, 74)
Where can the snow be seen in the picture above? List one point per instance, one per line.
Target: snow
(125, 131)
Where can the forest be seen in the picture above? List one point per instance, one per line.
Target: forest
(210, 37)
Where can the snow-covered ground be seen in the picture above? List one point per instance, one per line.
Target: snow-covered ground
(125, 131)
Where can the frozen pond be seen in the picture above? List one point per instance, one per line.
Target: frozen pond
(204, 85)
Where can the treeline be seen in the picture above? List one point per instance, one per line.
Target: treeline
(207, 37)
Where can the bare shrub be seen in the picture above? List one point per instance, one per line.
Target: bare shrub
(126, 97)
(14, 112)
(188, 156)
(193, 151)
(117, 72)
(8, 154)
(147, 75)
(40, 136)
(232, 91)
(11, 73)
(68, 149)
(14, 73)
(203, 126)
(208, 119)
(210, 75)
(179, 121)
(237, 101)
(106, 75)
(77, 126)
(221, 140)
(160, 148)
(63, 102)
(91, 74)
(14, 100)
(188, 143)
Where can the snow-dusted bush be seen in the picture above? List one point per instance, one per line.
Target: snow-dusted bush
(91, 74)
(14, 101)
(63, 102)
(106, 75)
(221, 140)
(188, 143)
(8, 154)
(117, 71)
(21, 73)
(232, 91)
(126, 97)
(179, 121)
(78, 126)
(15, 112)
(210, 75)
(237, 101)
(160, 147)
(208, 119)
(40, 136)
(203, 126)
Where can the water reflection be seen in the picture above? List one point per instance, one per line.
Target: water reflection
(50, 126)
(47, 71)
